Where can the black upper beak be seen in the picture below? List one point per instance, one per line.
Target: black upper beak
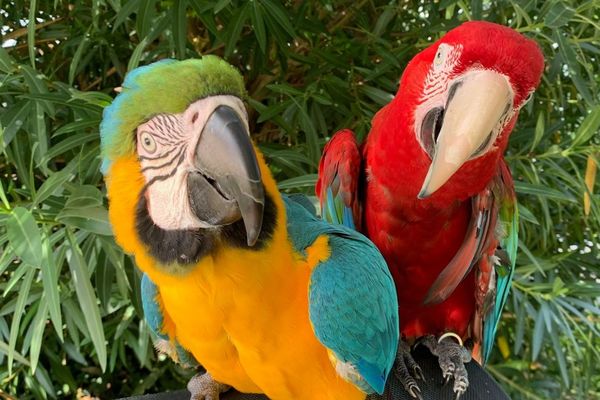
(227, 184)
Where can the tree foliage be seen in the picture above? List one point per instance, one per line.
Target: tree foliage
(70, 315)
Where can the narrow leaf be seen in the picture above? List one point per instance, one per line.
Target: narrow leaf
(588, 128)
(538, 335)
(179, 26)
(73, 67)
(18, 313)
(38, 325)
(31, 31)
(50, 275)
(259, 25)
(24, 236)
(87, 299)
(308, 180)
(134, 61)
(558, 15)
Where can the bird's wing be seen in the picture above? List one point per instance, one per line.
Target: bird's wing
(339, 176)
(352, 299)
(490, 245)
(494, 276)
(157, 321)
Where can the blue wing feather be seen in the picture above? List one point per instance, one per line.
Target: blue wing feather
(154, 318)
(352, 299)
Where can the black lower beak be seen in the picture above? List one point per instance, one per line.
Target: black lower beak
(227, 184)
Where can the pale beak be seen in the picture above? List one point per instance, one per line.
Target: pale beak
(476, 104)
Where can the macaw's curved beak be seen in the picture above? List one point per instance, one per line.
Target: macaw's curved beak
(476, 104)
(226, 184)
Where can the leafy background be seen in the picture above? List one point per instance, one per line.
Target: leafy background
(69, 299)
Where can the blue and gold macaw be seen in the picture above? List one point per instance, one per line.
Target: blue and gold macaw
(247, 282)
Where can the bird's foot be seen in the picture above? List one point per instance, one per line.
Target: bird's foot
(452, 357)
(204, 387)
(406, 370)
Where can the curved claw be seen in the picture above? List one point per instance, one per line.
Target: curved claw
(418, 373)
(405, 363)
(452, 357)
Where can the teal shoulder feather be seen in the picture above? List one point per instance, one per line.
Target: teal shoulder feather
(352, 299)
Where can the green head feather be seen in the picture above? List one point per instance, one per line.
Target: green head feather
(167, 86)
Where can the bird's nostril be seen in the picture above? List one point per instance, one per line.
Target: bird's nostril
(194, 117)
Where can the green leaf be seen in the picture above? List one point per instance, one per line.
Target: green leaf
(180, 26)
(92, 219)
(54, 184)
(39, 128)
(588, 128)
(566, 49)
(379, 96)
(35, 82)
(538, 333)
(18, 313)
(24, 236)
(543, 191)
(13, 120)
(280, 15)
(560, 355)
(50, 274)
(259, 25)
(31, 31)
(136, 56)
(81, 48)
(236, 28)
(384, 20)
(220, 5)
(539, 131)
(128, 8)
(87, 299)
(558, 15)
(7, 63)
(76, 126)
(38, 325)
(307, 180)
(4, 348)
(145, 17)
(70, 143)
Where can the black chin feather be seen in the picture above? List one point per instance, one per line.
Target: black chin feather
(187, 247)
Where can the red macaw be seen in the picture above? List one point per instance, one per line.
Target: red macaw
(429, 186)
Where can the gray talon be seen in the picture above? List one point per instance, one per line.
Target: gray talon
(418, 373)
(452, 357)
(405, 363)
(204, 387)
(415, 392)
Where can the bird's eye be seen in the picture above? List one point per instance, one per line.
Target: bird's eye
(440, 56)
(148, 142)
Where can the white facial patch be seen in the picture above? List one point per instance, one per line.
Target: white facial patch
(166, 145)
(437, 82)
